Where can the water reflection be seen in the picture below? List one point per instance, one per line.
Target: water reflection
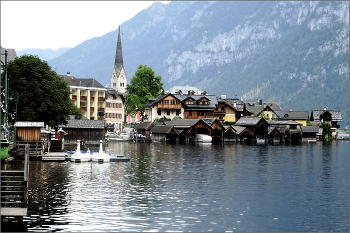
(195, 187)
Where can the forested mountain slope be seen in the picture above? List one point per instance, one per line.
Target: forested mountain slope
(294, 53)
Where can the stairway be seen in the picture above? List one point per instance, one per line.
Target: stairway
(14, 192)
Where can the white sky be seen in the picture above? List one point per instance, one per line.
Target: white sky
(57, 24)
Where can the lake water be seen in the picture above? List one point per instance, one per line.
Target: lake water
(195, 187)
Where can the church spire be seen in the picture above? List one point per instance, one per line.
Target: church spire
(118, 79)
(119, 54)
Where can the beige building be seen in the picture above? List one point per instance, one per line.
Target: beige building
(88, 95)
(114, 112)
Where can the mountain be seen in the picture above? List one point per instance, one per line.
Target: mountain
(44, 54)
(294, 53)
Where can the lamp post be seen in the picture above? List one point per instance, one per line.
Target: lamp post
(6, 96)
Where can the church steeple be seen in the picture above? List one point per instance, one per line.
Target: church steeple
(118, 79)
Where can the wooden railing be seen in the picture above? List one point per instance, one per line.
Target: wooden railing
(83, 97)
(101, 98)
(92, 98)
(74, 97)
(219, 112)
(92, 109)
(101, 109)
(169, 106)
(83, 108)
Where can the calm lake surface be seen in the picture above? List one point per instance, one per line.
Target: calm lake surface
(195, 187)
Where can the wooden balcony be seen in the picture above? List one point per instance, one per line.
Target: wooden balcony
(101, 109)
(169, 106)
(83, 97)
(74, 97)
(92, 109)
(101, 98)
(92, 98)
(219, 112)
(83, 108)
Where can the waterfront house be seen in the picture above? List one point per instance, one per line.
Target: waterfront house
(164, 105)
(269, 109)
(309, 133)
(217, 131)
(88, 95)
(91, 131)
(288, 131)
(144, 128)
(244, 134)
(230, 134)
(228, 109)
(298, 116)
(114, 112)
(164, 133)
(189, 128)
(257, 125)
(199, 106)
(329, 116)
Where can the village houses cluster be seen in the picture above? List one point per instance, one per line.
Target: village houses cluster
(193, 112)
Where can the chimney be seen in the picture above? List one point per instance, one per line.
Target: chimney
(193, 92)
(204, 93)
(162, 91)
(68, 73)
(223, 97)
(189, 92)
(260, 101)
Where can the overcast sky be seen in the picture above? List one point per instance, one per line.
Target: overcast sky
(57, 24)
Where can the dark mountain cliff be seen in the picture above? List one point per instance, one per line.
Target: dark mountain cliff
(294, 53)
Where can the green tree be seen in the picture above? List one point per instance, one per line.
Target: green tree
(143, 85)
(326, 129)
(42, 94)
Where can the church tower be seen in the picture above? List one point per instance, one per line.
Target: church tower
(118, 79)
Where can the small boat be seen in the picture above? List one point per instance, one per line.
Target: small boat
(203, 138)
(101, 157)
(80, 156)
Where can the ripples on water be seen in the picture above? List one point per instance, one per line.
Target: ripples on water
(195, 187)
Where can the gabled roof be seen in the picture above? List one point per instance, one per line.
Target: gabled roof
(81, 82)
(273, 105)
(163, 129)
(316, 115)
(84, 124)
(290, 122)
(293, 115)
(309, 129)
(251, 121)
(237, 104)
(212, 104)
(238, 129)
(184, 123)
(113, 92)
(145, 125)
(153, 101)
(272, 129)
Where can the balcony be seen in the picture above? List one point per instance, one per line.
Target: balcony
(101, 109)
(92, 109)
(74, 97)
(83, 97)
(169, 106)
(101, 98)
(83, 108)
(219, 112)
(92, 98)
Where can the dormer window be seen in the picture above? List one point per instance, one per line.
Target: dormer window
(189, 102)
(286, 115)
(204, 102)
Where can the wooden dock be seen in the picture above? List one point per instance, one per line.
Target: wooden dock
(54, 157)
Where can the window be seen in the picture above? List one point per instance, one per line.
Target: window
(168, 112)
(114, 85)
(113, 105)
(110, 115)
(222, 108)
(120, 116)
(190, 113)
(177, 112)
(159, 112)
(293, 126)
(189, 102)
(113, 115)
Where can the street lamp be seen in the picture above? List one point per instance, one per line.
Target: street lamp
(6, 95)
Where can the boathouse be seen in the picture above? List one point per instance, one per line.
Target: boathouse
(164, 133)
(257, 125)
